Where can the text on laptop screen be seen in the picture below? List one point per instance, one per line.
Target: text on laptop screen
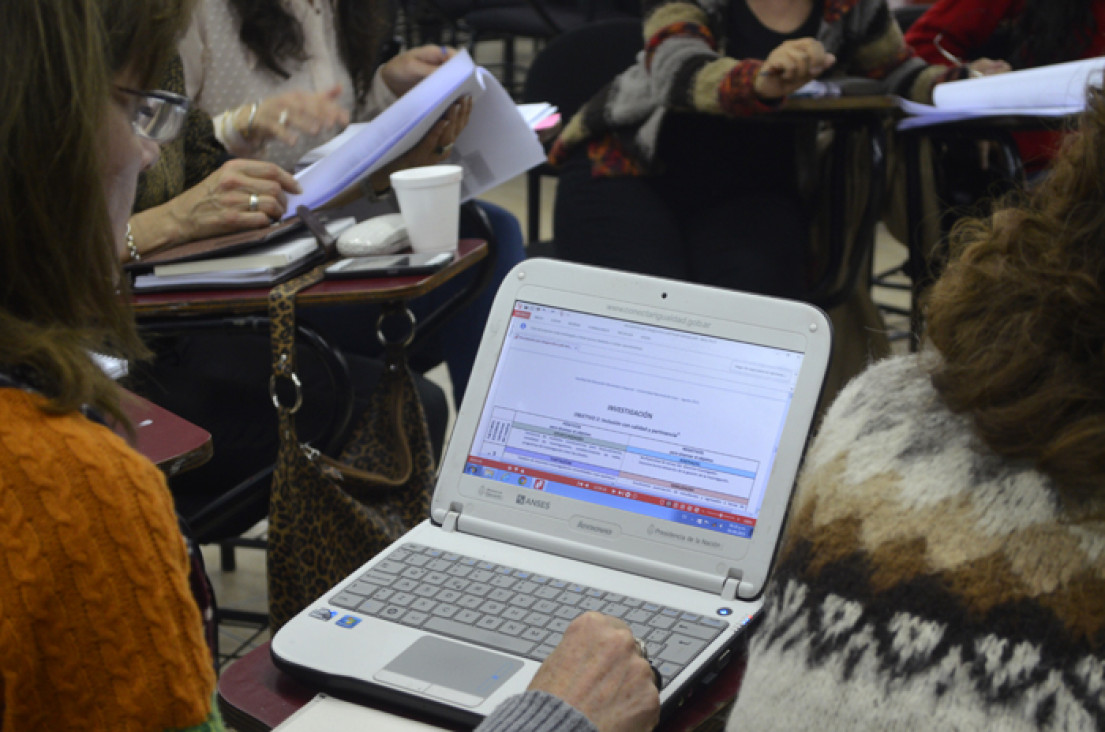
(660, 422)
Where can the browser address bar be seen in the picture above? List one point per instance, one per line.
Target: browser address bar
(680, 359)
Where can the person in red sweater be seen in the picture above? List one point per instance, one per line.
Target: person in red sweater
(1026, 33)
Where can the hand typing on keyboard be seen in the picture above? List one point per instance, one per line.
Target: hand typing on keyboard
(598, 669)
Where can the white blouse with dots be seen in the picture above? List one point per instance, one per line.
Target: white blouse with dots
(221, 74)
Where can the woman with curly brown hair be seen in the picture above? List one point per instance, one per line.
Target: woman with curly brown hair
(943, 566)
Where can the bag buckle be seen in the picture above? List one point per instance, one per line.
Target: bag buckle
(410, 327)
(294, 378)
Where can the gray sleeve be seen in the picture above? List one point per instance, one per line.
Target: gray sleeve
(536, 711)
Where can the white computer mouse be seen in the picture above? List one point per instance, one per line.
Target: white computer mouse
(378, 235)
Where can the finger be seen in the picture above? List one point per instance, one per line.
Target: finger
(262, 203)
(250, 172)
(431, 54)
(273, 206)
(827, 62)
(790, 66)
(463, 116)
(439, 133)
(267, 189)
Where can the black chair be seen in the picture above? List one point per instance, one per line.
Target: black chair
(568, 72)
(540, 20)
(908, 14)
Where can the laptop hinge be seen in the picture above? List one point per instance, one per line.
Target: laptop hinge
(735, 588)
(450, 522)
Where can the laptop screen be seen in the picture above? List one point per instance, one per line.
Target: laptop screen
(651, 420)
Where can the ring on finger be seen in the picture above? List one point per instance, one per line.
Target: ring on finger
(283, 119)
(254, 200)
(443, 149)
(642, 651)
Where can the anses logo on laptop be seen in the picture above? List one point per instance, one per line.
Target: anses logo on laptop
(535, 502)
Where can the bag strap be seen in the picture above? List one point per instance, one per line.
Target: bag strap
(396, 380)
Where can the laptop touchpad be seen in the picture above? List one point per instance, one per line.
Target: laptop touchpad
(449, 671)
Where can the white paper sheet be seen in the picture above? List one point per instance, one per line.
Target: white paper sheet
(926, 115)
(327, 714)
(1056, 85)
(1054, 91)
(496, 145)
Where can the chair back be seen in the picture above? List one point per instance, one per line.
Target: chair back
(579, 62)
(567, 72)
(908, 14)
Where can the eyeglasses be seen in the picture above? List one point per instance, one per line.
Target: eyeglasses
(158, 115)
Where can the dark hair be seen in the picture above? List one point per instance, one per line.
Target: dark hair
(1051, 31)
(1019, 317)
(60, 296)
(275, 36)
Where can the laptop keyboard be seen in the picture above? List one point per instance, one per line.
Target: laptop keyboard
(512, 610)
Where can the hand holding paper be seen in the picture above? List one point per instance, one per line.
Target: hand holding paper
(496, 144)
(407, 69)
(1057, 90)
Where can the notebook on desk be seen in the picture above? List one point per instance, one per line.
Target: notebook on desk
(626, 444)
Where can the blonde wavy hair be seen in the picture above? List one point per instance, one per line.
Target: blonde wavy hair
(59, 294)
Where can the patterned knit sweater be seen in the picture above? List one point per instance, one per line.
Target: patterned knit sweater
(683, 68)
(924, 583)
(98, 628)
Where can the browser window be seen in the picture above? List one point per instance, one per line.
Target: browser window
(626, 415)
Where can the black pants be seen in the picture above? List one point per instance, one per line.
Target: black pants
(722, 212)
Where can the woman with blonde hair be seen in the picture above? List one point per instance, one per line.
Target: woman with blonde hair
(98, 629)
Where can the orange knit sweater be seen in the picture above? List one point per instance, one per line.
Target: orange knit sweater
(98, 629)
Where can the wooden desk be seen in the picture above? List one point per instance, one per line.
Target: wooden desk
(328, 292)
(255, 696)
(170, 442)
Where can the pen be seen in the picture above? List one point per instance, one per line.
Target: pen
(971, 73)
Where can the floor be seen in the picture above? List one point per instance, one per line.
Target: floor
(244, 588)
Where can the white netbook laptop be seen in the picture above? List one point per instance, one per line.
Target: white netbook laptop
(627, 444)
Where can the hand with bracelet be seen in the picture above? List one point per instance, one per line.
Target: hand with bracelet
(282, 118)
(242, 194)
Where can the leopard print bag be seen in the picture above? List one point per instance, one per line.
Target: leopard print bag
(328, 516)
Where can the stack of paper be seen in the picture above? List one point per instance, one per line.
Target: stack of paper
(1057, 90)
(265, 266)
(273, 256)
(496, 146)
